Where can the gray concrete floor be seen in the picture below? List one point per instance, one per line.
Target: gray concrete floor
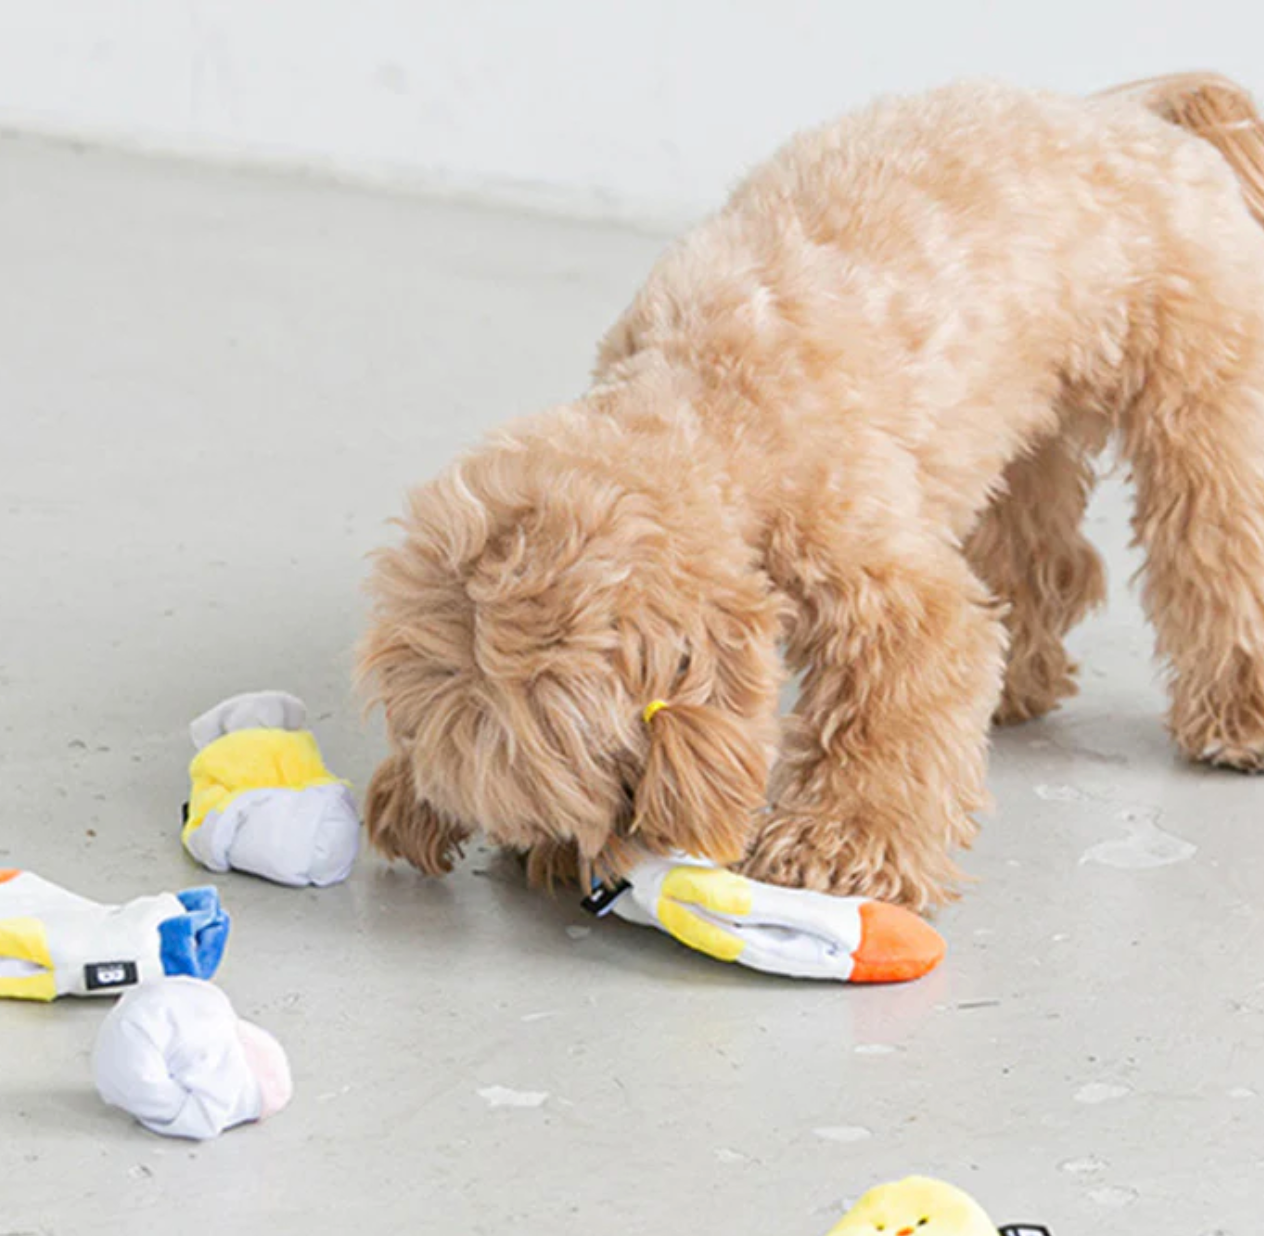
(214, 391)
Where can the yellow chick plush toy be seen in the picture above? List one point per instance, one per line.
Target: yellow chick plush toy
(915, 1207)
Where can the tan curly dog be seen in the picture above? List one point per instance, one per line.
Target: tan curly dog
(846, 429)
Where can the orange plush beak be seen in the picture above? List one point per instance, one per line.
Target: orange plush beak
(895, 946)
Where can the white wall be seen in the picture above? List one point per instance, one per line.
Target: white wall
(645, 108)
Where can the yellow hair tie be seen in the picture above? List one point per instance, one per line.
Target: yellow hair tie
(652, 710)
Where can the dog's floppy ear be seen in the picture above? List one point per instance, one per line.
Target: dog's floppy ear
(705, 775)
(403, 825)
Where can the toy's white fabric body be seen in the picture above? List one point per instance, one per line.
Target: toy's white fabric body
(792, 932)
(177, 1057)
(263, 802)
(56, 943)
(294, 837)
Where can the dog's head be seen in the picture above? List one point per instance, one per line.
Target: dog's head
(548, 588)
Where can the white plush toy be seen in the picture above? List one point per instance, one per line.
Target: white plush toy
(176, 1056)
(262, 800)
(788, 931)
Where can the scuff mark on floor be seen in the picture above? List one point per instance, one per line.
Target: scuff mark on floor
(1100, 1092)
(1114, 1196)
(503, 1096)
(849, 1133)
(1144, 846)
(1061, 794)
(1087, 1166)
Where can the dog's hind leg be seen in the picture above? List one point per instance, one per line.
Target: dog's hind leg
(1195, 433)
(1195, 439)
(1028, 548)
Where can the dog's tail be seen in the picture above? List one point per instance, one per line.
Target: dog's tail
(1219, 111)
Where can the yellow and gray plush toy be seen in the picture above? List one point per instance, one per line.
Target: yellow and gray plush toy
(262, 800)
(56, 943)
(788, 931)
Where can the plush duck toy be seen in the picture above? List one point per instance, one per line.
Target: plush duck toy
(55, 943)
(262, 800)
(922, 1207)
(787, 931)
(915, 1207)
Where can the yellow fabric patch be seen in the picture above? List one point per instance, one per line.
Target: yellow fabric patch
(24, 939)
(248, 760)
(721, 892)
(698, 933)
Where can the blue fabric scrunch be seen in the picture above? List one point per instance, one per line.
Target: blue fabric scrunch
(193, 943)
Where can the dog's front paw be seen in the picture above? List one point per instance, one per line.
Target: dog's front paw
(553, 864)
(820, 852)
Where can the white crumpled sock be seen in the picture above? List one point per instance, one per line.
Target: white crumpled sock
(176, 1056)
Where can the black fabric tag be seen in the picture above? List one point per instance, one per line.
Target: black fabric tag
(101, 975)
(1025, 1229)
(601, 900)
